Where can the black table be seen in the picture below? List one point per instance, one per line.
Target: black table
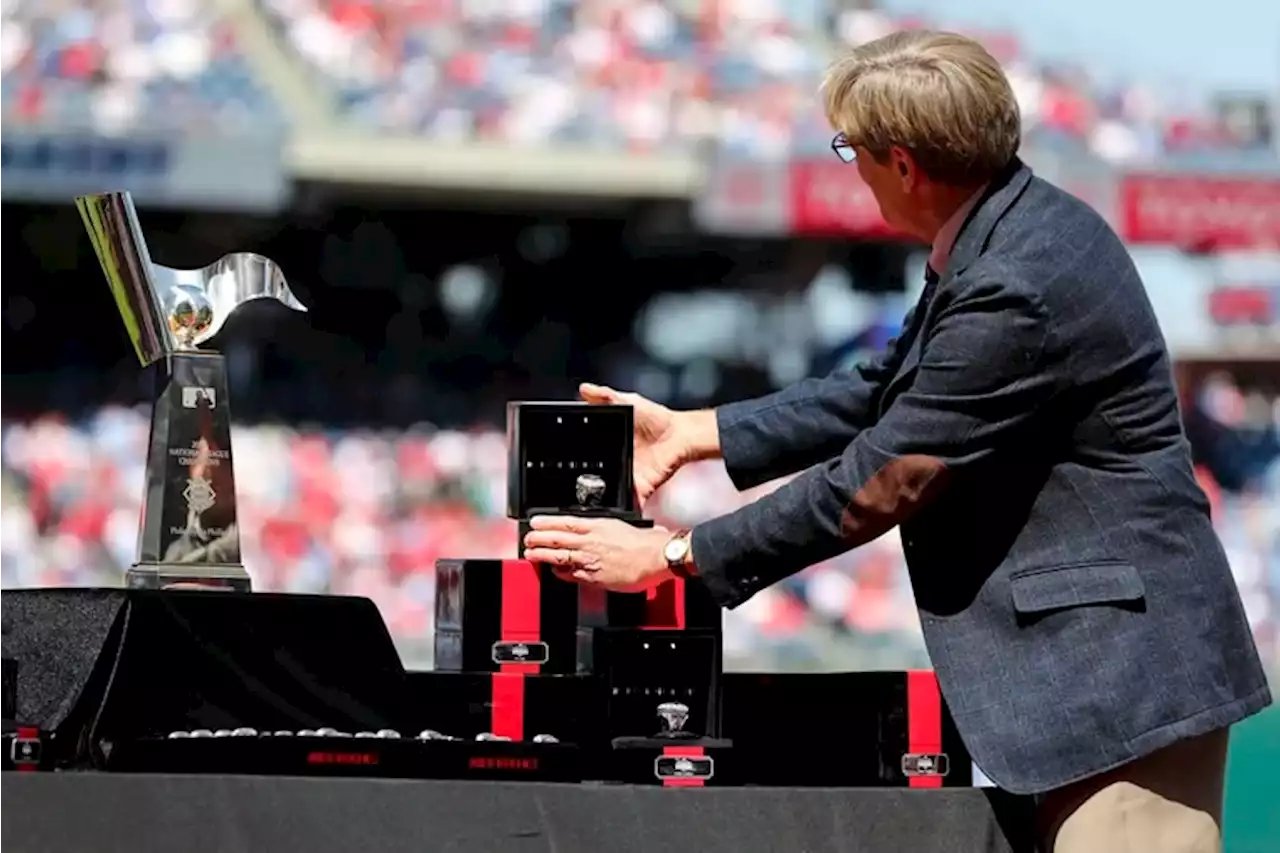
(91, 812)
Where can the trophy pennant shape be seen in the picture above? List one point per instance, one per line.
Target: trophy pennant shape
(168, 310)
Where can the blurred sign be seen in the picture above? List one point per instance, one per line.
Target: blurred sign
(1244, 304)
(1245, 297)
(820, 196)
(804, 198)
(744, 198)
(1210, 212)
(236, 173)
(828, 198)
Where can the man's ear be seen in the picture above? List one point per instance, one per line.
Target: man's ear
(901, 162)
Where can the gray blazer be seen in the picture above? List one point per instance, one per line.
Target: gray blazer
(1024, 432)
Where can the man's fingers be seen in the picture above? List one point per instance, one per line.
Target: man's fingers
(574, 575)
(565, 523)
(604, 394)
(597, 393)
(562, 539)
(562, 557)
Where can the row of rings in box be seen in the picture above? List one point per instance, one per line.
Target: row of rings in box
(389, 734)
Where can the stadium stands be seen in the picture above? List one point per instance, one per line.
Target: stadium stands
(616, 74)
(637, 75)
(670, 74)
(116, 67)
(369, 513)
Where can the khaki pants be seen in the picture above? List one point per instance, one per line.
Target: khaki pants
(1167, 802)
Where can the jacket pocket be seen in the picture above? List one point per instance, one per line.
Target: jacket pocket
(1040, 590)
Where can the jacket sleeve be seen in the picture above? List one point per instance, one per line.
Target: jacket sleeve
(805, 423)
(982, 376)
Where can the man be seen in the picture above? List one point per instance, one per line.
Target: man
(1024, 432)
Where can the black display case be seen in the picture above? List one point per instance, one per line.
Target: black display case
(553, 448)
(638, 670)
(569, 708)
(521, 653)
(492, 614)
(661, 694)
(872, 729)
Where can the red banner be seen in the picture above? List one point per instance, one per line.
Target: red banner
(828, 198)
(825, 198)
(1201, 212)
(1244, 305)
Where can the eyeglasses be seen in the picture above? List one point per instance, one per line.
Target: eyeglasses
(844, 148)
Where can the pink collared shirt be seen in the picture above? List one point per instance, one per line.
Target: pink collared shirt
(946, 239)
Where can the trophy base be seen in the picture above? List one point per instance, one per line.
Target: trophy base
(229, 578)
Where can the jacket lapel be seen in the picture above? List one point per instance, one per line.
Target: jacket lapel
(970, 243)
(976, 232)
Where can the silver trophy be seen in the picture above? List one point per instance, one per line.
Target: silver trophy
(189, 535)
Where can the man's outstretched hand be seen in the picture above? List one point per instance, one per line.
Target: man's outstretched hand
(603, 552)
(660, 445)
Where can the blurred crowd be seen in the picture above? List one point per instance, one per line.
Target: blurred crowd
(657, 74)
(1234, 430)
(369, 513)
(115, 65)
(640, 75)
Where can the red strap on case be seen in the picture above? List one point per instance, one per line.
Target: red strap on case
(924, 721)
(687, 752)
(521, 622)
(664, 606)
(25, 733)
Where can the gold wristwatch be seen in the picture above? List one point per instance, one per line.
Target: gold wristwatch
(678, 554)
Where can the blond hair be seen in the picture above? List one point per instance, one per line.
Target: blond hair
(940, 96)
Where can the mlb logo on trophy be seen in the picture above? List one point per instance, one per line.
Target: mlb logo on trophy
(199, 495)
(191, 397)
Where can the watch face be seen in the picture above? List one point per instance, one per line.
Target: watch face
(676, 549)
